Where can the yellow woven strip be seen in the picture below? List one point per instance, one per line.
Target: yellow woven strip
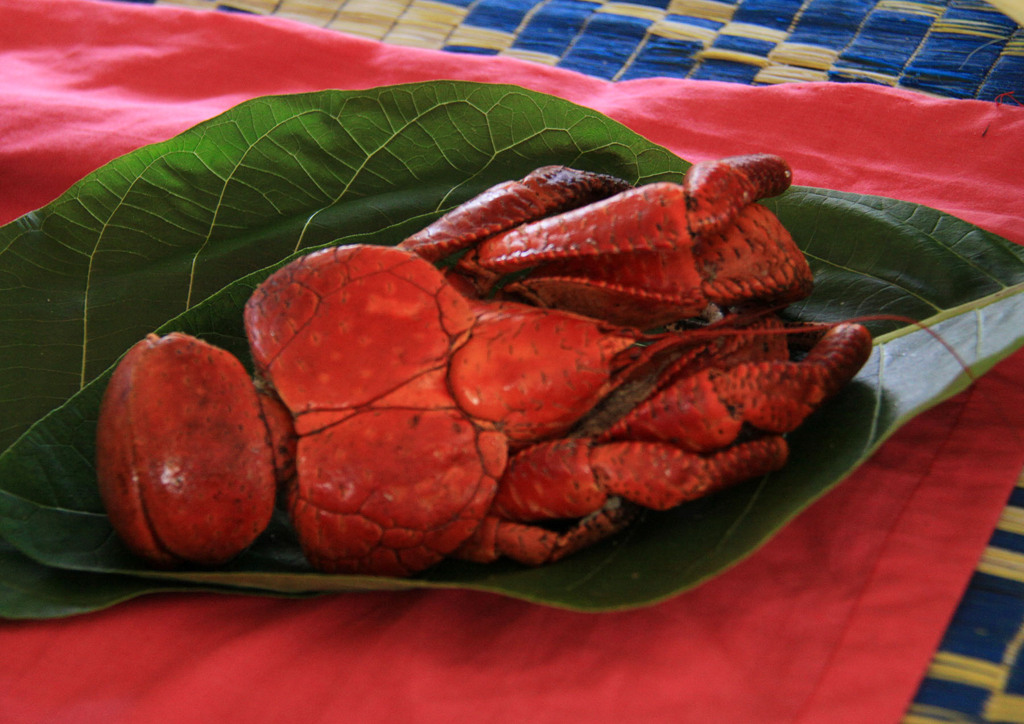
(754, 32)
(1003, 563)
(644, 12)
(533, 56)
(977, 28)
(426, 24)
(1012, 520)
(804, 56)
(675, 30)
(263, 7)
(911, 8)
(498, 40)
(789, 74)
(928, 714)
(707, 9)
(368, 18)
(307, 11)
(1011, 8)
(960, 669)
(860, 73)
(734, 56)
(1015, 46)
(1005, 708)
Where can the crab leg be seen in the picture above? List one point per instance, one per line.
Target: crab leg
(533, 545)
(545, 191)
(717, 190)
(707, 410)
(567, 478)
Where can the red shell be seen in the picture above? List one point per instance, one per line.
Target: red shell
(392, 475)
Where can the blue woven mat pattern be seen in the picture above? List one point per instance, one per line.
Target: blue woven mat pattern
(977, 674)
(957, 49)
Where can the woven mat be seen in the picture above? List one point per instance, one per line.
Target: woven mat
(958, 49)
(977, 674)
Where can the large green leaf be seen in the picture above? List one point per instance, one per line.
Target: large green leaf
(182, 219)
(158, 230)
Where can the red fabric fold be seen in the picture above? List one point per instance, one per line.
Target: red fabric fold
(834, 620)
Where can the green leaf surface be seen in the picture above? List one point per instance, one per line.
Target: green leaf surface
(176, 236)
(160, 229)
(30, 590)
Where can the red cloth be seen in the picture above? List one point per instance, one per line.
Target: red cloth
(834, 620)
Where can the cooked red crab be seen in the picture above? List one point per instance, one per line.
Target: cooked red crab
(414, 414)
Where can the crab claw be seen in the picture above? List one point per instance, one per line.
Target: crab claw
(184, 458)
(544, 191)
(658, 253)
(718, 190)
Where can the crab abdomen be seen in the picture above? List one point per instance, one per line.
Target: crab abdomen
(391, 492)
(183, 455)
